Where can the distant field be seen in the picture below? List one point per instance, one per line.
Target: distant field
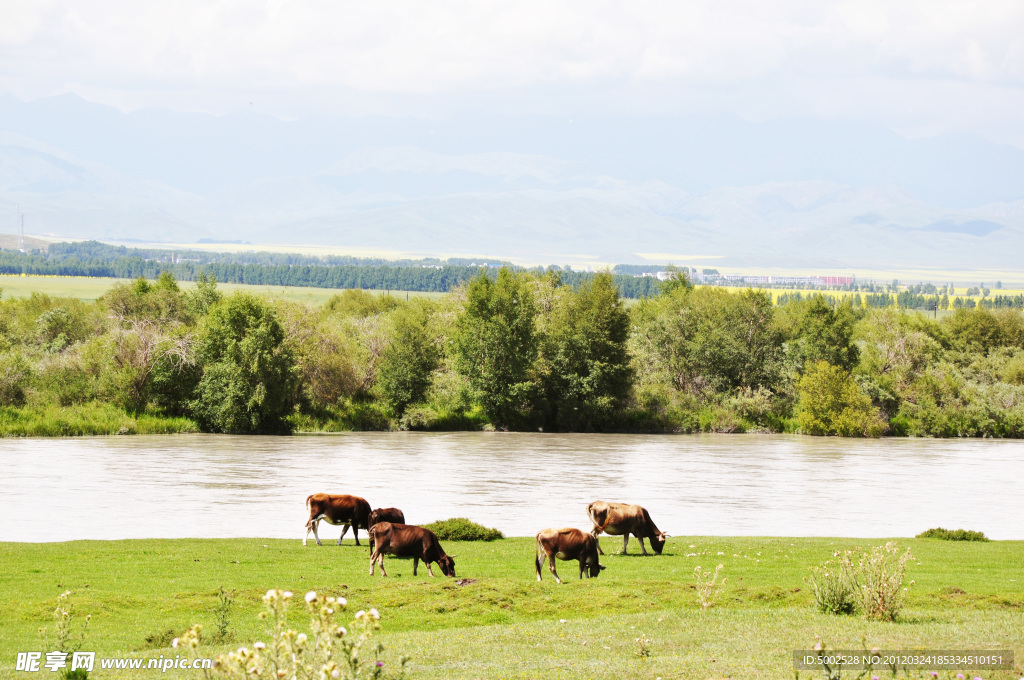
(86, 288)
(89, 289)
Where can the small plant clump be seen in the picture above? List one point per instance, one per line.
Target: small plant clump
(461, 529)
(69, 634)
(835, 584)
(330, 651)
(953, 534)
(873, 586)
(708, 585)
(223, 610)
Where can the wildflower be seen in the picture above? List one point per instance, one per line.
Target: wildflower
(375, 614)
(340, 631)
(934, 674)
(360, 614)
(174, 642)
(288, 594)
(380, 664)
(271, 594)
(335, 674)
(311, 596)
(301, 640)
(260, 645)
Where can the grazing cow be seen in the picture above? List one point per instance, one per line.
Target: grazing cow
(393, 515)
(352, 511)
(567, 544)
(404, 540)
(622, 519)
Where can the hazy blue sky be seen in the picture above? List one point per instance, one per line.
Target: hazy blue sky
(917, 66)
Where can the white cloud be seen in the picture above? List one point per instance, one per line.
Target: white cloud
(917, 54)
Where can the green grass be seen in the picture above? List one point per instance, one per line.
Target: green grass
(503, 624)
(94, 418)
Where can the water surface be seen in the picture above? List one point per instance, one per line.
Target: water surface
(769, 485)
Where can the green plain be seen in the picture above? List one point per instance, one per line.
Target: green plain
(89, 289)
(503, 623)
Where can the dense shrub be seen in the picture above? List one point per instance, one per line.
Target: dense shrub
(953, 534)
(461, 529)
(831, 402)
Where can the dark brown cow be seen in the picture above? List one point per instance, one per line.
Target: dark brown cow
(567, 544)
(622, 519)
(351, 511)
(393, 515)
(404, 540)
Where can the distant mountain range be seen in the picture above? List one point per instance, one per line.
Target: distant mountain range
(784, 193)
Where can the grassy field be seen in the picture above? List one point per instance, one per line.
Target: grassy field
(85, 288)
(502, 623)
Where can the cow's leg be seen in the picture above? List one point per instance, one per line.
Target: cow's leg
(581, 568)
(415, 565)
(642, 548)
(551, 566)
(355, 532)
(594, 532)
(382, 572)
(430, 569)
(373, 560)
(625, 542)
(309, 528)
(539, 562)
(344, 530)
(316, 523)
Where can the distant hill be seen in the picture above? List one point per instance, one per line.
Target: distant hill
(783, 193)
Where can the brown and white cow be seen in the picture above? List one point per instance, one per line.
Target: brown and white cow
(393, 515)
(622, 519)
(351, 511)
(567, 544)
(404, 540)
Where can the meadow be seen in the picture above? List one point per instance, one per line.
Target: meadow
(640, 619)
(90, 289)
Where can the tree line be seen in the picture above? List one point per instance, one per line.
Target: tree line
(519, 350)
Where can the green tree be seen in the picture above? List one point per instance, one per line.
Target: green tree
(403, 375)
(709, 339)
(247, 370)
(588, 372)
(826, 334)
(831, 402)
(496, 345)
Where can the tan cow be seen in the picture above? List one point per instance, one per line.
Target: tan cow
(622, 519)
(567, 544)
(403, 540)
(351, 511)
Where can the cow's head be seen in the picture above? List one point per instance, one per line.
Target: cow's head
(447, 564)
(658, 542)
(595, 569)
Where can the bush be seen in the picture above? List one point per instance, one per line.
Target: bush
(874, 585)
(880, 576)
(953, 535)
(831, 402)
(835, 585)
(461, 529)
(15, 372)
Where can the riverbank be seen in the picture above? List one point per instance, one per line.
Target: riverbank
(502, 623)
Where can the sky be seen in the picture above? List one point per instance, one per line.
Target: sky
(920, 67)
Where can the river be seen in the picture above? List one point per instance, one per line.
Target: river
(757, 485)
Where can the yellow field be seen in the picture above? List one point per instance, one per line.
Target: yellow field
(86, 288)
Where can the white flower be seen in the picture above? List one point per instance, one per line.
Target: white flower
(271, 594)
(260, 645)
(335, 674)
(174, 643)
(310, 596)
(360, 614)
(340, 631)
(288, 594)
(342, 601)
(375, 614)
(301, 639)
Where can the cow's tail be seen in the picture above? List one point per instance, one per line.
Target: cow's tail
(309, 509)
(593, 520)
(537, 559)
